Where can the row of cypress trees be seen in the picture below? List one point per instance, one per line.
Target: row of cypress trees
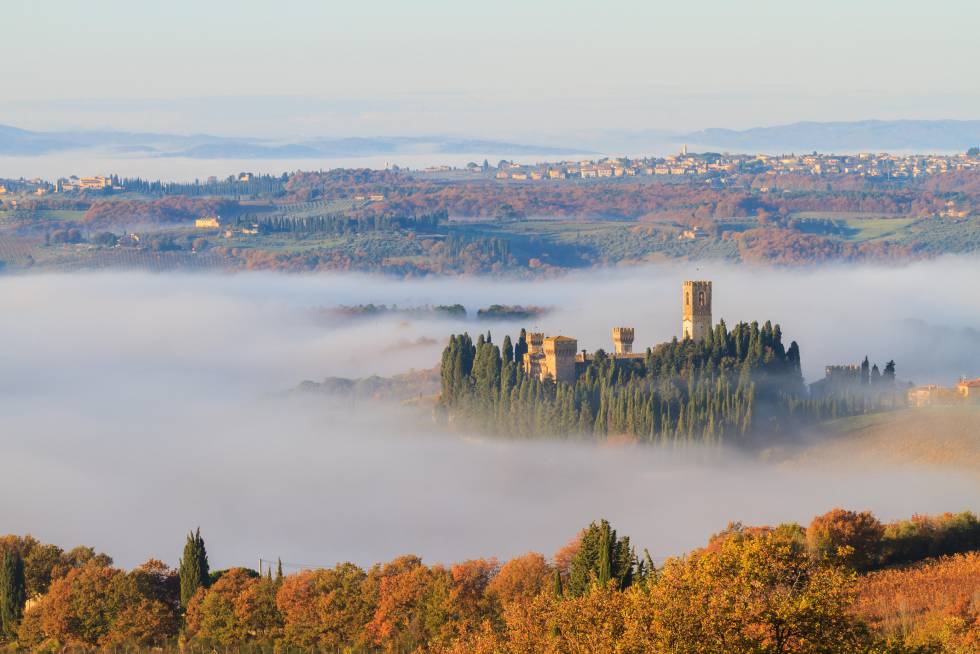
(734, 382)
(340, 223)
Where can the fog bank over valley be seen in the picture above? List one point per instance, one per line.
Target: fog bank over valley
(134, 407)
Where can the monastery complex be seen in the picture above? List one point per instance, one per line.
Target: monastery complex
(557, 358)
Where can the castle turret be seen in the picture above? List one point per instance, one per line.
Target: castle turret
(559, 358)
(697, 310)
(623, 340)
(534, 357)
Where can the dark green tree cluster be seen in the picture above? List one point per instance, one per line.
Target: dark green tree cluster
(602, 557)
(689, 391)
(342, 224)
(256, 186)
(13, 592)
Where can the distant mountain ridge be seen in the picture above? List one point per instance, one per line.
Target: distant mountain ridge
(878, 135)
(843, 137)
(21, 142)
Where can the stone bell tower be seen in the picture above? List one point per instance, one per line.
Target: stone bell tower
(697, 310)
(623, 340)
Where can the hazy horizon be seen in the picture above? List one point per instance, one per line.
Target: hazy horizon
(512, 71)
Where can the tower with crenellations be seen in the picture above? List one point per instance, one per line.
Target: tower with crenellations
(534, 357)
(696, 300)
(623, 339)
(559, 359)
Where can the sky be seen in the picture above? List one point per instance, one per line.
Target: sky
(502, 69)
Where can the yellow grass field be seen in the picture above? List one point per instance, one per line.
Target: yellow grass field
(946, 437)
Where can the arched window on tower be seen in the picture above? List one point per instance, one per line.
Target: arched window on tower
(701, 298)
(687, 298)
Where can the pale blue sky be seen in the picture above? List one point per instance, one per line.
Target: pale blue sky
(496, 69)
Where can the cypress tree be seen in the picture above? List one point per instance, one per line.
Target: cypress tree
(521, 348)
(508, 349)
(193, 567)
(889, 375)
(605, 562)
(13, 592)
(279, 571)
(649, 570)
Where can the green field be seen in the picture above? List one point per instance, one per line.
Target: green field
(872, 229)
(860, 227)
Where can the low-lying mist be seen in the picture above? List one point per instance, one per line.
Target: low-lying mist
(134, 407)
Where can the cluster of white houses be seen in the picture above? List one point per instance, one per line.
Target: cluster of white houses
(865, 164)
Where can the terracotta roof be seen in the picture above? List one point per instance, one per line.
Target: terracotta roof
(972, 383)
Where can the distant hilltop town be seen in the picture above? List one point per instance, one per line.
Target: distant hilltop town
(108, 184)
(707, 165)
(866, 164)
(556, 358)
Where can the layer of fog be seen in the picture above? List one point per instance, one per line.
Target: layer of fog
(134, 407)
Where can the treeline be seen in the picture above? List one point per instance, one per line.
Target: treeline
(343, 183)
(342, 224)
(751, 589)
(457, 311)
(256, 186)
(512, 312)
(736, 383)
(631, 198)
(402, 253)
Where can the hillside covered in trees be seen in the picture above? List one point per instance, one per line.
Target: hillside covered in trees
(846, 583)
(736, 385)
(412, 224)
